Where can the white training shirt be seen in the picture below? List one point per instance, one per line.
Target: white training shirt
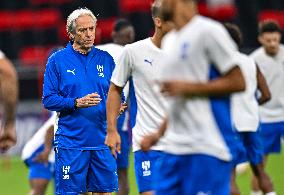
(38, 139)
(245, 110)
(272, 67)
(194, 123)
(141, 61)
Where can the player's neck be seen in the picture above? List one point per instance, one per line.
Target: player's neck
(186, 17)
(80, 49)
(157, 38)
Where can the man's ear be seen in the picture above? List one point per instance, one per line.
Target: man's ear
(158, 22)
(259, 38)
(71, 36)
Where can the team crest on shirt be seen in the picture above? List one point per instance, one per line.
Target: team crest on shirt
(100, 69)
(65, 170)
(146, 168)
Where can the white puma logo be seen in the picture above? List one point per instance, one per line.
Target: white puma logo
(72, 71)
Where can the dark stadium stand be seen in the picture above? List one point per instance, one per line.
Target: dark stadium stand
(29, 28)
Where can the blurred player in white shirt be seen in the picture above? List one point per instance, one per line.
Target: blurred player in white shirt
(123, 33)
(245, 114)
(270, 59)
(198, 76)
(39, 157)
(139, 63)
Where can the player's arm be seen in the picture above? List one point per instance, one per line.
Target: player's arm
(48, 140)
(150, 140)
(119, 78)
(9, 96)
(113, 110)
(262, 87)
(52, 98)
(232, 81)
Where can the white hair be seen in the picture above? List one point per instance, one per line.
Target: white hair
(71, 20)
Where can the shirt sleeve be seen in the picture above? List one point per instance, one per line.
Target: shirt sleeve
(2, 55)
(122, 69)
(52, 100)
(221, 49)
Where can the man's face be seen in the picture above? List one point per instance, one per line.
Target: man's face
(84, 35)
(270, 41)
(125, 35)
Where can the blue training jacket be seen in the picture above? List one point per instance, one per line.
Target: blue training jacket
(70, 75)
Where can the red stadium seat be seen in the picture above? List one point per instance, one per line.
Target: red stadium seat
(24, 19)
(221, 13)
(278, 16)
(130, 6)
(106, 26)
(34, 56)
(47, 18)
(224, 12)
(28, 19)
(54, 2)
(6, 21)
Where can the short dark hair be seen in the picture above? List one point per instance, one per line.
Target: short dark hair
(268, 26)
(155, 8)
(121, 24)
(235, 33)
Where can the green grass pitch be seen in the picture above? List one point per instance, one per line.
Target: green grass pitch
(13, 177)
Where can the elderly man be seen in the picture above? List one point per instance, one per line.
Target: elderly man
(76, 84)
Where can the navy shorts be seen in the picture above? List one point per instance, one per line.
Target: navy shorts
(253, 145)
(192, 174)
(145, 169)
(79, 171)
(271, 136)
(123, 158)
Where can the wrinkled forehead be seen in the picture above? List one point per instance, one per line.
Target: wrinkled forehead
(85, 21)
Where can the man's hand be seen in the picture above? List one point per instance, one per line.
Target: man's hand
(148, 141)
(113, 141)
(175, 88)
(122, 108)
(89, 100)
(42, 157)
(8, 137)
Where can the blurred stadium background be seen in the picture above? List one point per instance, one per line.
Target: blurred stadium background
(29, 29)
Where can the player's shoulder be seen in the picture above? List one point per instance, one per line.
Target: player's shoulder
(109, 46)
(57, 54)
(138, 45)
(207, 24)
(102, 53)
(258, 53)
(244, 58)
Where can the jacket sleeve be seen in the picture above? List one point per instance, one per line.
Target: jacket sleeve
(52, 98)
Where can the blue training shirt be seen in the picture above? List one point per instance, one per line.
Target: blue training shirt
(70, 75)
